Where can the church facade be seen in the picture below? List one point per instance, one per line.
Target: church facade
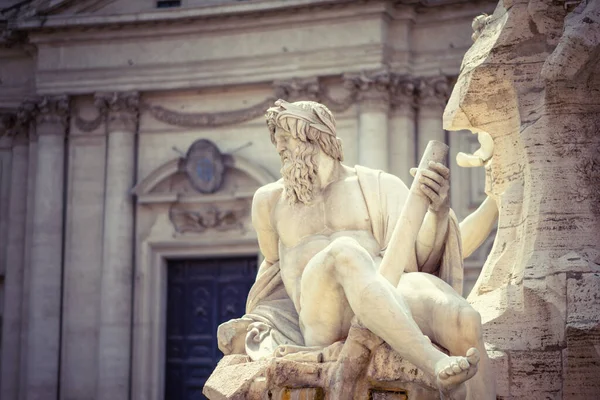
(132, 141)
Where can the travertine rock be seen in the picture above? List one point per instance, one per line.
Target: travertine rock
(532, 82)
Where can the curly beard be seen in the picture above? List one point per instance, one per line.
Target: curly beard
(299, 172)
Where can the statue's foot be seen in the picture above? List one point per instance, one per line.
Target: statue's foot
(453, 371)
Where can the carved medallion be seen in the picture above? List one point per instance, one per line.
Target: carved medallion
(204, 166)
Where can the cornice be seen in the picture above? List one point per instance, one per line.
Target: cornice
(247, 10)
(213, 26)
(234, 71)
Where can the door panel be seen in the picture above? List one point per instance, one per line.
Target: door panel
(201, 294)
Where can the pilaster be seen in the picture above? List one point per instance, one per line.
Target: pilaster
(46, 250)
(371, 90)
(402, 127)
(433, 93)
(14, 257)
(84, 221)
(114, 348)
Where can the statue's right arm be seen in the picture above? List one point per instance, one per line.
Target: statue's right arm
(477, 226)
(263, 202)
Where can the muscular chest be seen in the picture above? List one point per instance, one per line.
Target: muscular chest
(339, 208)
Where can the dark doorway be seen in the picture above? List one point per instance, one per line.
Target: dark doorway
(201, 294)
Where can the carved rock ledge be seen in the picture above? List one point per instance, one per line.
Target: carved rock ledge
(362, 367)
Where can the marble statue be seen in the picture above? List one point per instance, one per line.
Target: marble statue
(325, 230)
(477, 226)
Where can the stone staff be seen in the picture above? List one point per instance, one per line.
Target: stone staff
(400, 254)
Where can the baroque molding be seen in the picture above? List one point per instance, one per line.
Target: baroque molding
(196, 120)
(298, 89)
(208, 217)
(53, 110)
(91, 125)
(403, 91)
(370, 88)
(434, 90)
(122, 109)
(379, 89)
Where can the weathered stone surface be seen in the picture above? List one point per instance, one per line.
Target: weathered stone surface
(535, 373)
(530, 81)
(233, 379)
(581, 358)
(501, 365)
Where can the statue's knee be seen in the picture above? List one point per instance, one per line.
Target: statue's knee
(347, 254)
(470, 325)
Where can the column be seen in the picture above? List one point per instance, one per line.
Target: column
(402, 133)
(117, 270)
(46, 250)
(373, 108)
(15, 260)
(432, 97)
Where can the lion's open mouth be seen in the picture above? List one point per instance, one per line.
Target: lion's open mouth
(481, 155)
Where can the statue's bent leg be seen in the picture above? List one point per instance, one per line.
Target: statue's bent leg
(450, 321)
(341, 281)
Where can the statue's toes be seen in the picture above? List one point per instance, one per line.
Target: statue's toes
(473, 356)
(464, 364)
(456, 368)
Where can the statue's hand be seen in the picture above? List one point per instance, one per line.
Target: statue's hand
(435, 184)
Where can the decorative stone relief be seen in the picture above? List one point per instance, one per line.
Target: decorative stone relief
(403, 90)
(204, 166)
(122, 109)
(101, 106)
(379, 88)
(53, 110)
(298, 89)
(370, 88)
(199, 218)
(204, 191)
(434, 91)
(196, 120)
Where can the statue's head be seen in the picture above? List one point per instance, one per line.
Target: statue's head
(302, 132)
(501, 90)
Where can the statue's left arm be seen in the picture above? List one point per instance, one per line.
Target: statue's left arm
(435, 185)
